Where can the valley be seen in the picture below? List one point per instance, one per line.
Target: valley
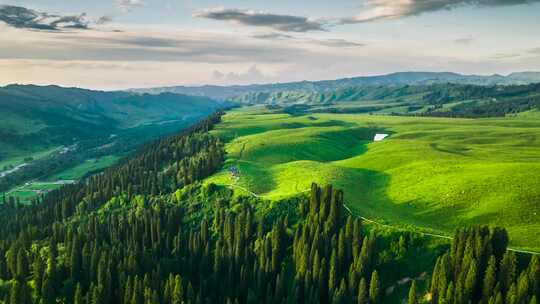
(379, 180)
(270, 152)
(50, 134)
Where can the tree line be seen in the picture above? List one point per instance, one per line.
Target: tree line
(146, 231)
(479, 269)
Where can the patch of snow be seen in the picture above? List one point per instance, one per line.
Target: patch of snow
(380, 137)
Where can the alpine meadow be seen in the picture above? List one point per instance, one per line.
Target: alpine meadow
(270, 152)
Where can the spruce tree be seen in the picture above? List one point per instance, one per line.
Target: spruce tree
(15, 294)
(363, 297)
(78, 297)
(178, 291)
(374, 287)
(490, 278)
(412, 294)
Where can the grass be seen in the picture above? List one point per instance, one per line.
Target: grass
(19, 159)
(431, 173)
(90, 165)
(31, 190)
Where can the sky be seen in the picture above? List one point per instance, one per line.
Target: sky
(119, 44)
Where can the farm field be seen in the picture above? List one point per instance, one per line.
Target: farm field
(88, 166)
(25, 193)
(433, 174)
(20, 159)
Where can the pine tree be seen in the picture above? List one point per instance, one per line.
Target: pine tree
(450, 293)
(75, 260)
(534, 275)
(470, 281)
(47, 290)
(374, 287)
(78, 297)
(522, 288)
(38, 268)
(22, 264)
(412, 294)
(490, 278)
(435, 280)
(507, 270)
(178, 291)
(363, 297)
(333, 273)
(15, 295)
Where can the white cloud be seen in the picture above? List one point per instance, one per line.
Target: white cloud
(391, 9)
(128, 5)
(284, 23)
(252, 75)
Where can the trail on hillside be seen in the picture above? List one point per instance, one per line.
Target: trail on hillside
(424, 233)
(378, 223)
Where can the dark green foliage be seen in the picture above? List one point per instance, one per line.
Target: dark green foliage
(479, 269)
(412, 299)
(130, 235)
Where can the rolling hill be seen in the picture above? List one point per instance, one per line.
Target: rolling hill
(435, 174)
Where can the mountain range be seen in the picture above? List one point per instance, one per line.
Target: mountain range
(34, 116)
(400, 78)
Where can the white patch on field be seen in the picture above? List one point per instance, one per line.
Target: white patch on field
(379, 137)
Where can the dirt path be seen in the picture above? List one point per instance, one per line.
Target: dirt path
(425, 233)
(377, 223)
(257, 195)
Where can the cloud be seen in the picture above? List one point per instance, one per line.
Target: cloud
(332, 42)
(183, 46)
(338, 43)
(464, 41)
(500, 56)
(283, 23)
(252, 75)
(535, 51)
(104, 20)
(21, 17)
(272, 36)
(129, 5)
(392, 9)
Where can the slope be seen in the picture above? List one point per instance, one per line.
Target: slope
(434, 173)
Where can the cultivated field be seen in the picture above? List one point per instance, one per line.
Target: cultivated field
(431, 173)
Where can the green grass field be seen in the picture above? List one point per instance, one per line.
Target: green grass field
(19, 159)
(89, 165)
(431, 173)
(25, 193)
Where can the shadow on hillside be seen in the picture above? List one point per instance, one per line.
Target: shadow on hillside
(366, 195)
(315, 123)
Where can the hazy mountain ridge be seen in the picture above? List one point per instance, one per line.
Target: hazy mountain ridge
(45, 115)
(400, 78)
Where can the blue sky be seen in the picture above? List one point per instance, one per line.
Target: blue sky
(115, 44)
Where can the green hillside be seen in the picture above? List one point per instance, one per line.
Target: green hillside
(431, 173)
(398, 79)
(34, 116)
(48, 132)
(446, 100)
(149, 230)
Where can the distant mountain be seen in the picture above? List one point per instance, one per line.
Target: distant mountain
(401, 78)
(41, 116)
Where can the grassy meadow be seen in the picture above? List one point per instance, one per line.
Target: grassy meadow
(434, 174)
(28, 191)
